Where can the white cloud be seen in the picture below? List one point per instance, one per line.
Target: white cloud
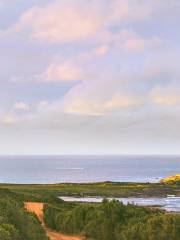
(61, 21)
(139, 44)
(8, 120)
(43, 104)
(129, 40)
(85, 99)
(123, 101)
(62, 72)
(90, 98)
(167, 96)
(94, 105)
(102, 50)
(21, 106)
(69, 20)
(139, 89)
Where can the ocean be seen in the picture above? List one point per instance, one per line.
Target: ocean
(59, 169)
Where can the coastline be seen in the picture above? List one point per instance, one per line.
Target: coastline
(46, 199)
(105, 189)
(161, 192)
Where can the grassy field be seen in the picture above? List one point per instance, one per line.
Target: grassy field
(104, 189)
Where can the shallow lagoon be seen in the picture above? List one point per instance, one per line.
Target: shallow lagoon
(170, 203)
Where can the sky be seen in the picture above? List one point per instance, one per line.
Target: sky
(89, 77)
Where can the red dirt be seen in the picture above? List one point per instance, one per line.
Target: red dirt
(37, 208)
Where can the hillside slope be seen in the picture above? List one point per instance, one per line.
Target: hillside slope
(172, 179)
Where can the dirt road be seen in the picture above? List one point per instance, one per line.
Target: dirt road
(37, 208)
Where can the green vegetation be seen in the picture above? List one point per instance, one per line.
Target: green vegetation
(112, 221)
(96, 221)
(38, 192)
(15, 222)
(163, 227)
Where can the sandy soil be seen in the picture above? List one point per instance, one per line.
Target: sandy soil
(37, 208)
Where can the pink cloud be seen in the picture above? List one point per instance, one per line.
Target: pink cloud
(69, 20)
(62, 72)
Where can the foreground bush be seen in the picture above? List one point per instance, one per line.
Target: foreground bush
(16, 223)
(164, 227)
(112, 221)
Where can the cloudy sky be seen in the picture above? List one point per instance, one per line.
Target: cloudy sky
(90, 77)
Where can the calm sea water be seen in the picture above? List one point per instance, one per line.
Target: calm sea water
(56, 169)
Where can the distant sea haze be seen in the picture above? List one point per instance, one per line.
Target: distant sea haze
(58, 169)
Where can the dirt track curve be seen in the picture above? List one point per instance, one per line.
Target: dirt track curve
(37, 208)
